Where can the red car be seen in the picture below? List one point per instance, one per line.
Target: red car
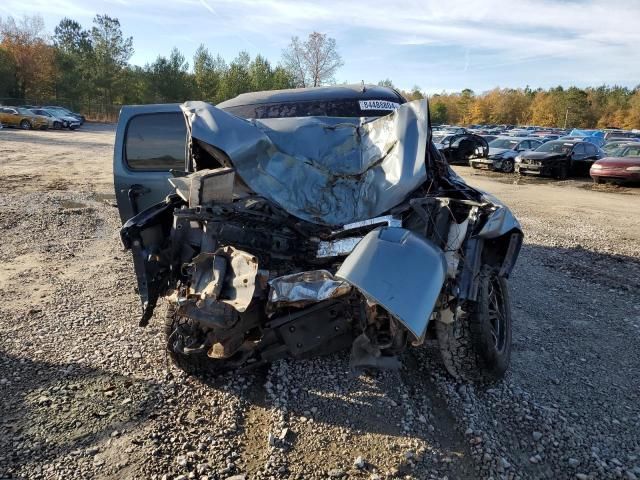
(622, 165)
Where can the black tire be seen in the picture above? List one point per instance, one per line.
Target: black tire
(476, 347)
(198, 364)
(598, 180)
(25, 125)
(508, 165)
(473, 165)
(57, 125)
(563, 172)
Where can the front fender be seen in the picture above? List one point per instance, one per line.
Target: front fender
(400, 271)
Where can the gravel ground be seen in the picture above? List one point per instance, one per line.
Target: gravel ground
(85, 393)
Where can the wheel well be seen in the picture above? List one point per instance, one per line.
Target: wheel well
(501, 252)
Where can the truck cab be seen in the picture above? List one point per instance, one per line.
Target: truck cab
(151, 140)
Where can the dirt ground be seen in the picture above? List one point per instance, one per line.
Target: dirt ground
(86, 393)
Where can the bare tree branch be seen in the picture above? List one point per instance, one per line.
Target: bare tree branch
(313, 62)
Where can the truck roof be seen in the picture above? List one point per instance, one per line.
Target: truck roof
(334, 92)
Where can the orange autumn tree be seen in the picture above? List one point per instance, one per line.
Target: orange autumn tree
(27, 45)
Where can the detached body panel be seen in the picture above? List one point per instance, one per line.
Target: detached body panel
(400, 271)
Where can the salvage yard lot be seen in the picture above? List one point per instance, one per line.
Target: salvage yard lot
(85, 393)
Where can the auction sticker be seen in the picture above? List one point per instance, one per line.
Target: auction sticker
(378, 105)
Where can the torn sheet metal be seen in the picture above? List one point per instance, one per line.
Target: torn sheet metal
(298, 289)
(400, 271)
(205, 186)
(324, 170)
(336, 248)
(388, 220)
(207, 271)
(228, 275)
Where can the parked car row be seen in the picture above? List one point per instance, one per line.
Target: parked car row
(30, 117)
(618, 160)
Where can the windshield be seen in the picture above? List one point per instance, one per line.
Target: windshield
(440, 138)
(612, 147)
(24, 111)
(59, 110)
(504, 143)
(630, 151)
(555, 147)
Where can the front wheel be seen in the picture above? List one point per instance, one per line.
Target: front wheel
(598, 180)
(476, 346)
(57, 125)
(507, 166)
(184, 340)
(25, 125)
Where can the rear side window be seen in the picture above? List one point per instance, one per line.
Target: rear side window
(156, 141)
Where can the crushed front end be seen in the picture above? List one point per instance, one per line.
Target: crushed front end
(253, 270)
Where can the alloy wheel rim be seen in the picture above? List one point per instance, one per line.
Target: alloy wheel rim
(497, 315)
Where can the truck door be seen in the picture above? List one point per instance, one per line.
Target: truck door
(150, 141)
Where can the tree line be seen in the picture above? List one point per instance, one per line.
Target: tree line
(80, 66)
(91, 65)
(592, 107)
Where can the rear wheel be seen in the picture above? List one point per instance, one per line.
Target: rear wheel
(25, 125)
(476, 347)
(57, 125)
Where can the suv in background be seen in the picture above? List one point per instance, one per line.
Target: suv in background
(23, 118)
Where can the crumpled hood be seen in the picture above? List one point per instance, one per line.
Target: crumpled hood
(324, 170)
(543, 155)
(493, 151)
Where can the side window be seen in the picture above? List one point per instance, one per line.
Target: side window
(156, 141)
(632, 152)
(579, 149)
(535, 144)
(591, 149)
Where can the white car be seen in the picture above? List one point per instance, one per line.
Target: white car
(58, 119)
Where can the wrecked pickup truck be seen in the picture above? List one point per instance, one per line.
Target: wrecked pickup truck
(300, 222)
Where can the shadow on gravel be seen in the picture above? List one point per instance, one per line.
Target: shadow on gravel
(605, 269)
(50, 410)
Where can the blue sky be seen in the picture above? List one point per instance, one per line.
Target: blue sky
(438, 45)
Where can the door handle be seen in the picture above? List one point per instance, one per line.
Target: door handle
(134, 192)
